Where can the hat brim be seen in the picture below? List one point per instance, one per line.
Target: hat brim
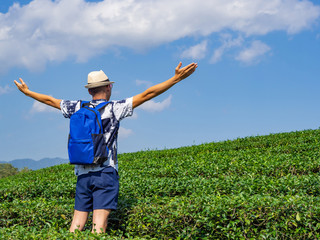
(98, 84)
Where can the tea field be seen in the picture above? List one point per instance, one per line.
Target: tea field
(264, 187)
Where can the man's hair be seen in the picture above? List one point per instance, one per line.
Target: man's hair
(94, 91)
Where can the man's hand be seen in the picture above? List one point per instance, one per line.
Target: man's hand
(182, 73)
(21, 86)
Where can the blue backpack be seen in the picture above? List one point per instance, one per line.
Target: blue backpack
(86, 144)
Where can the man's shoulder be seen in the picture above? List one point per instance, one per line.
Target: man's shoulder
(125, 100)
(68, 107)
(70, 103)
(121, 101)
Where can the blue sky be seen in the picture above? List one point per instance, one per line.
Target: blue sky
(258, 68)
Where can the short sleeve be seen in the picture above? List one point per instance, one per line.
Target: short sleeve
(69, 107)
(123, 108)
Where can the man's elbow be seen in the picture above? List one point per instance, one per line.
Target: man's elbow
(54, 103)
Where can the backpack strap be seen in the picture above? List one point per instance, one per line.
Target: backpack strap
(84, 103)
(88, 103)
(101, 105)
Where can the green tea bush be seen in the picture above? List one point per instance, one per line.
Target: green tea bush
(264, 187)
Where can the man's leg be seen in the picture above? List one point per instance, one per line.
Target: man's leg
(100, 220)
(79, 220)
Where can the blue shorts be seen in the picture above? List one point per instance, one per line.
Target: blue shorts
(97, 190)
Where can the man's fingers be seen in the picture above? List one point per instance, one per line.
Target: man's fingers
(21, 85)
(22, 82)
(17, 84)
(179, 66)
(191, 67)
(186, 71)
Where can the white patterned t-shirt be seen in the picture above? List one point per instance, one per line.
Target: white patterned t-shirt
(111, 115)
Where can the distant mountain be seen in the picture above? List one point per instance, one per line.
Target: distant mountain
(35, 165)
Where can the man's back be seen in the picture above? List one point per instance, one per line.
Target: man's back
(111, 115)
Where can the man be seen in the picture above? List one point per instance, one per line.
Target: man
(98, 185)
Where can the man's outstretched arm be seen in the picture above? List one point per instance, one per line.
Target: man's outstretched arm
(51, 101)
(180, 74)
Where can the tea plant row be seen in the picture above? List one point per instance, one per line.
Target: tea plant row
(264, 187)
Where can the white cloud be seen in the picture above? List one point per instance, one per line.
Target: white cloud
(145, 83)
(124, 132)
(227, 43)
(4, 90)
(251, 55)
(46, 30)
(196, 52)
(152, 106)
(41, 107)
(217, 55)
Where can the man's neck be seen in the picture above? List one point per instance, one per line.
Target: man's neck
(99, 96)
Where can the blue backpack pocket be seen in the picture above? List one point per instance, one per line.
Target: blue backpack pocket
(80, 151)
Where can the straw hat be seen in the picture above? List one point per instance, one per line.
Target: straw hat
(97, 79)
